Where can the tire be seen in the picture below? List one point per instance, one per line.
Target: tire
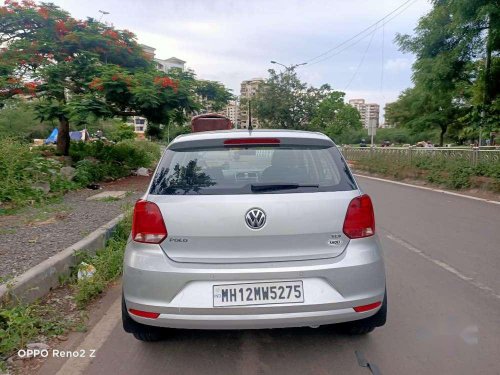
(140, 331)
(367, 325)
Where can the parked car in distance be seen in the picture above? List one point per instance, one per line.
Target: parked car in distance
(386, 144)
(250, 230)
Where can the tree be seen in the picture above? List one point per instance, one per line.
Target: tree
(283, 101)
(455, 74)
(122, 132)
(214, 95)
(79, 68)
(50, 55)
(334, 117)
(421, 110)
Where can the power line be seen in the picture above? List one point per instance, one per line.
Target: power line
(406, 5)
(358, 34)
(382, 62)
(361, 61)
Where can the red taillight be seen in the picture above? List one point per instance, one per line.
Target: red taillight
(360, 221)
(369, 307)
(144, 314)
(251, 141)
(147, 223)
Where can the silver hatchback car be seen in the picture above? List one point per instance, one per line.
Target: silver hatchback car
(253, 229)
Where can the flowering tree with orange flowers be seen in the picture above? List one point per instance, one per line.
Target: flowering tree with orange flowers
(74, 68)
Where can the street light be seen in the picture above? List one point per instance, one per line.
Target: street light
(103, 13)
(291, 67)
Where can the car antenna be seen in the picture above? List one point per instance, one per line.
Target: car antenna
(250, 128)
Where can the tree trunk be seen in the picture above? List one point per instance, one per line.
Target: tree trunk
(487, 66)
(441, 135)
(63, 136)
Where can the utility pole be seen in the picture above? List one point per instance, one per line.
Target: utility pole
(372, 130)
(288, 68)
(103, 12)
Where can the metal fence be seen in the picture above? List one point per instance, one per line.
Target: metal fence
(473, 155)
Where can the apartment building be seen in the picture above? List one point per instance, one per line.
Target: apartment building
(248, 89)
(166, 65)
(231, 112)
(139, 123)
(367, 111)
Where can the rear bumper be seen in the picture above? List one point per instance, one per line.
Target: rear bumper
(254, 321)
(182, 292)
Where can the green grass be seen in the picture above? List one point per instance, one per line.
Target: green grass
(7, 231)
(45, 212)
(21, 324)
(108, 263)
(110, 199)
(6, 278)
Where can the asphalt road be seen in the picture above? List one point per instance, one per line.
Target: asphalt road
(443, 265)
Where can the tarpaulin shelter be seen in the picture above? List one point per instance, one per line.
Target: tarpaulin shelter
(82, 135)
(52, 138)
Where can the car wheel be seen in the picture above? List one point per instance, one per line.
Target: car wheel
(367, 325)
(140, 331)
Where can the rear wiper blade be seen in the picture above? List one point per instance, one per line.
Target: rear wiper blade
(279, 186)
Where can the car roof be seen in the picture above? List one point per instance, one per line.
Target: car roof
(239, 133)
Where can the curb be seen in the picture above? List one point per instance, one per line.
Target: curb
(40, 279)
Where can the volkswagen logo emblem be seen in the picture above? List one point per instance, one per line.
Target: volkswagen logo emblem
(255, 218)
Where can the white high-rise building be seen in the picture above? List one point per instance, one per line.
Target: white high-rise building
(231, 112)
(367, 111)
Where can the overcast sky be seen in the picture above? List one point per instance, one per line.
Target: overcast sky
(233, 40)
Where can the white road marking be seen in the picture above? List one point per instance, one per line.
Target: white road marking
(94, 340)
(445, 266)
(428, 188)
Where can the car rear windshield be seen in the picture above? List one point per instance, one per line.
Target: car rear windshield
(252, 170)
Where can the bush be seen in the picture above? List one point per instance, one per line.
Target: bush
(23, 171)
(98, 161)
(149, 151)
(459, 177)
(129, 153)
(488, 170)
(123, 131)
(454, 173)
(18, 119)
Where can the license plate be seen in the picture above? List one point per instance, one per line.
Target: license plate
(258, 293)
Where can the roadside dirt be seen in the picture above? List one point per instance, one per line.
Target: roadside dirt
(36, 233)
(81, 320)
